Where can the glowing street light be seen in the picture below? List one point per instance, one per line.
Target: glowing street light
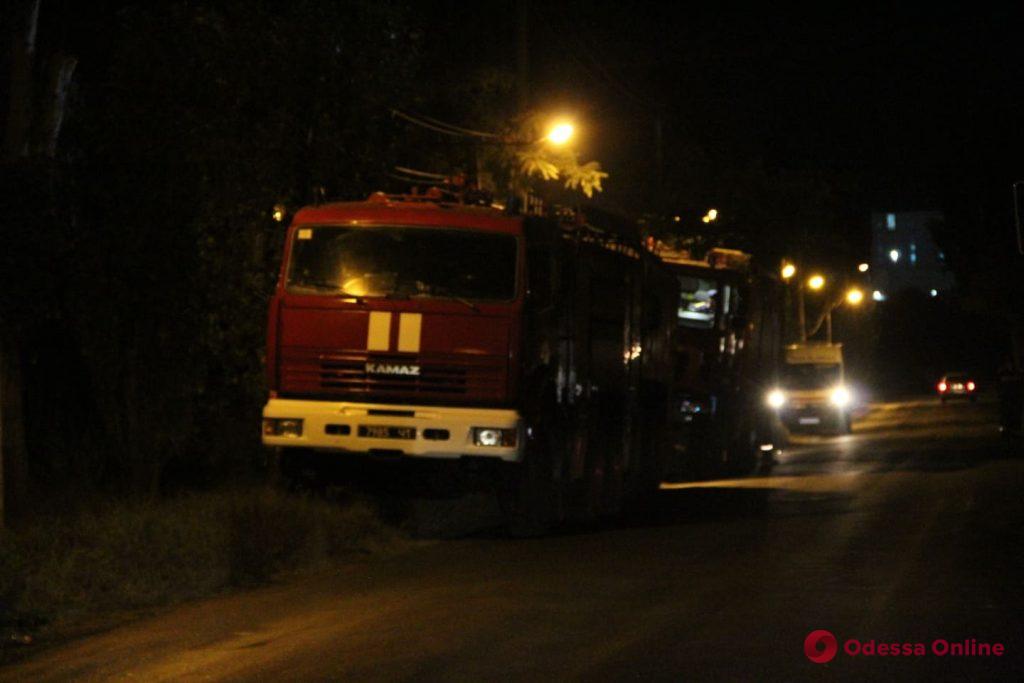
(863, 267)
(277, 213)
(894, 255)
(854, 297)
(816, 282)
(788, 271)
(561, 133)
(711, 215)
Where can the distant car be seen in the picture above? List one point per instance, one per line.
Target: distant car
(957, 385)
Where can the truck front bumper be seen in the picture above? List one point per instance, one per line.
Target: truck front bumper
(417, 431)
(810, 415)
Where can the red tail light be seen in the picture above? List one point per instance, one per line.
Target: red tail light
(970, 386)
(942, 387)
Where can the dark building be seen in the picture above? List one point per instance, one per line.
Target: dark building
(904, 254)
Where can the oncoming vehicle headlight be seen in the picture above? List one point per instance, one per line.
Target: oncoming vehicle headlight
(776, 398)
(277, 426)
(841, 397)
(494, 436)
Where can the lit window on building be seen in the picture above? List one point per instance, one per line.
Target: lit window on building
(913, 254)
(890, 221)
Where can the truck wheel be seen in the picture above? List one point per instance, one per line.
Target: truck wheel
(533, 491)
(653, 466)
(744, 448)
(293, 470)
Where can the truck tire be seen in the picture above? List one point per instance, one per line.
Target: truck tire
(744, 445)
(533, 495)
(293, 470)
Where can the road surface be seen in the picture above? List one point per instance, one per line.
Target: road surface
(909, 531)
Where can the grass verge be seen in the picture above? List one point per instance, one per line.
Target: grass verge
(58, 570)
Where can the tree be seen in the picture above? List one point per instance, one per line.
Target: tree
(152, 251)
(538, 156)
(39, 85)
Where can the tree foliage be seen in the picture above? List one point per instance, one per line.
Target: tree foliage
(536, 156)
(156, 254)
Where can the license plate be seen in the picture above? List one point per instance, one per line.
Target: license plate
(809, 420)
(384, 432)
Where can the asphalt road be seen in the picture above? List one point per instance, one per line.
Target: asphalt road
(908, 531)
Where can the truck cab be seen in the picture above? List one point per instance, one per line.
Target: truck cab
(813, 394)
(393, 331)
(727, 350)
(435, 335)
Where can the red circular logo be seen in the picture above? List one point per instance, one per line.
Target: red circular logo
(820, 646)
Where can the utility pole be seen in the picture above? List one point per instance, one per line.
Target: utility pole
(659, 164)
(520, 195)
(523, 55)
(801, 312)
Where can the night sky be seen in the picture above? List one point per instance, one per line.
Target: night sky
(912, 107)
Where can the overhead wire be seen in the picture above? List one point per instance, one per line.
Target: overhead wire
(460, 129)
(424, 124)
(422, 174)
(443, 127)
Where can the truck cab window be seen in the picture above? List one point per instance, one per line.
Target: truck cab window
(697, 302)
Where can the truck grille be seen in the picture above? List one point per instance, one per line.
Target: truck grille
(442, 377)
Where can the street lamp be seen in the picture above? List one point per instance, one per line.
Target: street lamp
(863, 267)
(854, 297)
(816, 282)
(711, 215)
(560, 133)
(788, 271)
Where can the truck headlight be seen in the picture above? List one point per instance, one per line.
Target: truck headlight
(776, 398)
(494, 436)
(841, 397)
(282, 426)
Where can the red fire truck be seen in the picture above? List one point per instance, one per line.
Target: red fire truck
(728, 354)
(424, 331)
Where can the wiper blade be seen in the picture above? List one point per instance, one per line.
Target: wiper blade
(430, 293)
(462, 300)
(333, 288)
(452, 297)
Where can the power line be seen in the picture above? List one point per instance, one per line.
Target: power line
(424, 124)
(467, 131)
(442, 127)
(422, 174)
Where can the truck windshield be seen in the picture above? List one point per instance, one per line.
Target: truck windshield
(811, 376)
(403, 262)
(697, 302)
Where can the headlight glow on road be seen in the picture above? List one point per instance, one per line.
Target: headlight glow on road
(776, 399)
(841, 397)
